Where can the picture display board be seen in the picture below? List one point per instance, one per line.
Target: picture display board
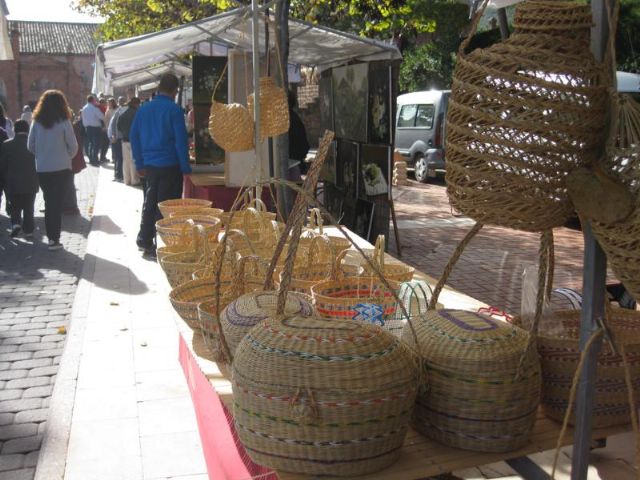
(357, 102)
(206, 73)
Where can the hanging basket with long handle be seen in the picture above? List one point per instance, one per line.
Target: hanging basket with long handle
(231, 125)
(522, 115)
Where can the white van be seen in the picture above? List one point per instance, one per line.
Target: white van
(420, 131)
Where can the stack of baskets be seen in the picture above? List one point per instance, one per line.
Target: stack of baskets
(478, 398)
(172, 207)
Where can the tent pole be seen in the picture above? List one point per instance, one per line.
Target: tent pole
(256, 93)
(593, 291)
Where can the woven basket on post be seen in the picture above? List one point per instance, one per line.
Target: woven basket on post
(231, 125)
(169, 207)
(560, 356)
(170, 229)
(274, 108)
(523, 114)
(478, 397)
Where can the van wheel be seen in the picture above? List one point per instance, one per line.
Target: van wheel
(420, 169)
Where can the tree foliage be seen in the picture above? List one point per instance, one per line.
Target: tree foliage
(627, 38)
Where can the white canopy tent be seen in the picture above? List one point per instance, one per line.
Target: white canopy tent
(150, 74)
(310, 45)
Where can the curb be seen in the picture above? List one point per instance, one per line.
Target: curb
(52, 459)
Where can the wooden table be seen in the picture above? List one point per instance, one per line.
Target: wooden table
(211, 186)
(419, 458)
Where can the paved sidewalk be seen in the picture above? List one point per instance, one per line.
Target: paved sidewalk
(37, 289)
(121, 406)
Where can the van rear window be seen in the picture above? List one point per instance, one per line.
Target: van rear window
(416, 116)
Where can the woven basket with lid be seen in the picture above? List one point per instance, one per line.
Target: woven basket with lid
(322, 397)
(477, 399)
(250, 309)
(523, 114)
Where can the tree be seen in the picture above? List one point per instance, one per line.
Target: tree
(627, 39)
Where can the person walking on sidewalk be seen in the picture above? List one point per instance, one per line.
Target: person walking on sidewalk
(161, 152)
(53, 143)
(70, 202)
(116, 140)
(18, 167)
(112, 106)
(125, 121)
(93, 120)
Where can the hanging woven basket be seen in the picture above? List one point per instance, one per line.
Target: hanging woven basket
(478, 398)
(274, 108)
(322, 397)
(523, 114)
(231, 127)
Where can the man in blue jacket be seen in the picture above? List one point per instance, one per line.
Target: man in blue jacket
(161, 152)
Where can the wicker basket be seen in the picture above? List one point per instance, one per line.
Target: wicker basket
(322, 397)
(186, 297)
(398, 272)
(274, 108)
(415, 296)
(478, 399)
(185, 242)
(560, 355)
(168, 207)
(523, 114)
(250, 309)
(231, 126)
(355, 298)
(170, 229)
(208, 211)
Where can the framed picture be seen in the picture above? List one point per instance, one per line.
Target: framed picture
(206, 73)
(326, 103)
(333, 200)
(328, 170)
(364, 218)
(350, 101)
(379, 119)
(375, 170)
(347, 173)
(207, 151)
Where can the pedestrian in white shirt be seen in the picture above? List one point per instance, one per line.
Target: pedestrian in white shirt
(93, 122)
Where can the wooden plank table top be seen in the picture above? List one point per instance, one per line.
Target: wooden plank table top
(207, 179)
(419, 457)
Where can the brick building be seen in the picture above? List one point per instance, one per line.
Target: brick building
(47, 55)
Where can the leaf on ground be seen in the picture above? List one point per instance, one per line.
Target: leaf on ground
(62, 330)
(114, 304)
(143, 344)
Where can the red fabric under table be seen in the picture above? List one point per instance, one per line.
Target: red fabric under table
(221, 196)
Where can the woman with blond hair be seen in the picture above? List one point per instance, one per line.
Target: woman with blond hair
(54, 144)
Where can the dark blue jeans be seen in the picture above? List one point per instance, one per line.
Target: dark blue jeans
(94, 142)
(116, 153)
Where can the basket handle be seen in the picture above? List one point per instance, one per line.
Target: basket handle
(378, 253)
(315, 220)
(215, 88)
(257, 203)
(239, 233)
(474, 27)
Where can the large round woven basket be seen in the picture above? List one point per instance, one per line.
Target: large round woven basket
(560, 355)
(478, 398)
(170, 229)
(322, 397)
(168, 207)
(208, 211)
(186, 297)
(523, 114)
(247, 311)
(179, 267)
(231, 126)
(274, 108)
(185, 242)
(364, 299)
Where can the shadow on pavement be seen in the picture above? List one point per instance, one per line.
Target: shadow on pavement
(109, 275)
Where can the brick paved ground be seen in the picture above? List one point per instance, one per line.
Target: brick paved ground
(37, 289)
(491, 268)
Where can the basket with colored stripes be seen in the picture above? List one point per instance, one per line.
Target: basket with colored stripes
(250, 309)
(185, 242)
(364, 299)
(478, 397)
(322, 397)
(169, 207)
(560, 355)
